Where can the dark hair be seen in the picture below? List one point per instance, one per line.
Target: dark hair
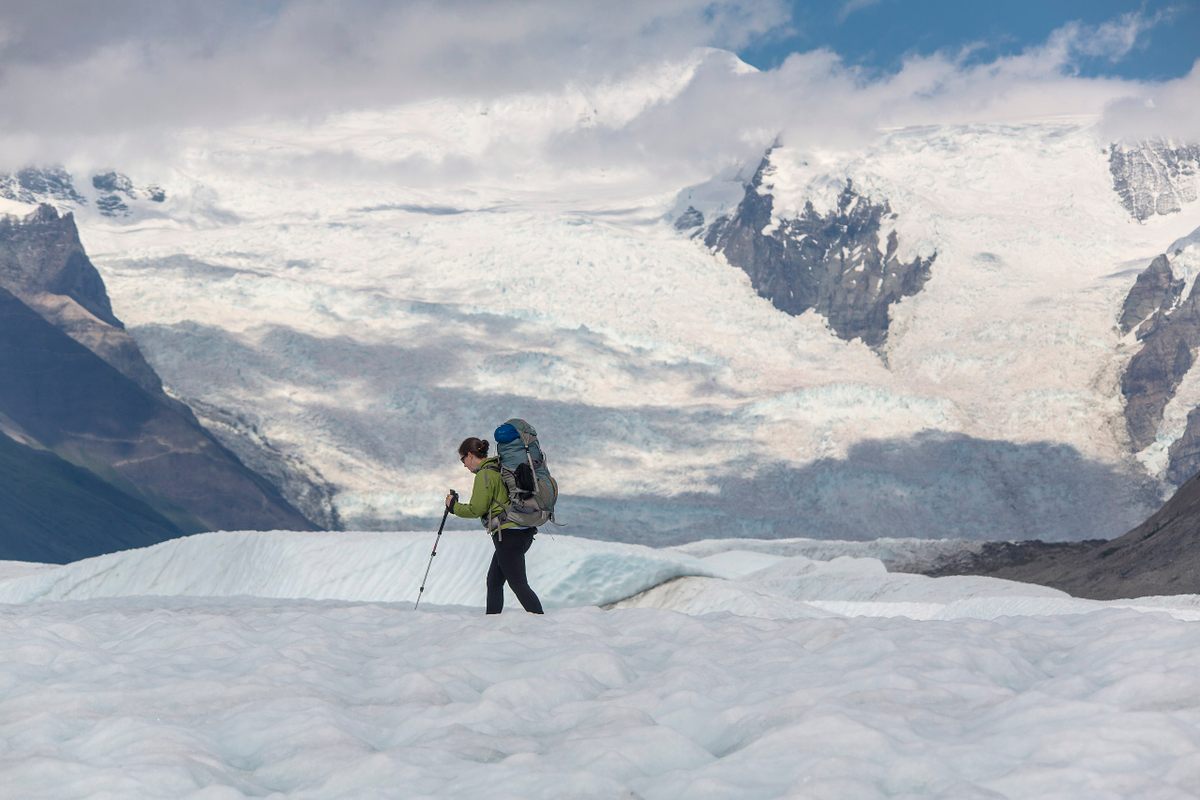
(476, 447)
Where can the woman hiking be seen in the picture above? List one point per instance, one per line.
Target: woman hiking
(488, 499)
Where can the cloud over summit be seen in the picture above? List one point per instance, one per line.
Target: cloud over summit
(117, 81)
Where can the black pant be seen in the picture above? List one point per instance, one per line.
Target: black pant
(508, 564)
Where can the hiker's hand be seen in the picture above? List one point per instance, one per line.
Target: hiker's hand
(450, 500)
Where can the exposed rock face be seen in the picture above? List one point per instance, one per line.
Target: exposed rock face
(832, 262)
(1156, 289)
(1160, 556)
(42, 253)
(43, 263)
(75, 384)
(1155, 177)
(1183, 456)
(689, 219)
(112, 206)
(113, 182)
(118, 188)
(1169, 340)
(56, 186)
(33, 186)
(1168, 327)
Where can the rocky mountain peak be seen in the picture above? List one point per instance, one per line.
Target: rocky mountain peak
(44, 214)
(1165, 314)
(41, 185)
(43, 263)
(84, 413)
(118, 188)
(42, 254)
(1156, 291)
(837, 262)
(56, 186)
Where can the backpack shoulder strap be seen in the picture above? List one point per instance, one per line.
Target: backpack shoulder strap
(494, 519)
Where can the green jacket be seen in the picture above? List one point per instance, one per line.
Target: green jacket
(489, 497)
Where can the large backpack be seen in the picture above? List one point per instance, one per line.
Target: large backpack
(532, 491)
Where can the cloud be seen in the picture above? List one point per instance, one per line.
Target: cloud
(850, 7)
(815, 99)
(1112, 40)
(1167, 110)
(539, 84)
(114, 69)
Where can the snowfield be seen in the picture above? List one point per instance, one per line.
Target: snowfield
(235, 665)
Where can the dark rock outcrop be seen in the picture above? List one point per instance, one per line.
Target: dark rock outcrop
(1183, 456)
(1155, 177)
(112, 206)
(1156, 289)
(33, 186)
(118, 189)
(1161, 556)
(1168, 328)
(55, 186)
(113, 183)
(42, 253)
(829, 262)
(690, 219)
(1156, 371)
(1030, 561)
(43, 263)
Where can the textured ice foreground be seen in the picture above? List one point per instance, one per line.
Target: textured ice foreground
(127, 695)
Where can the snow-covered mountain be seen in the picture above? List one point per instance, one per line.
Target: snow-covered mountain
(842, 264)
(110, 192)
(252, 664)
(343, 303)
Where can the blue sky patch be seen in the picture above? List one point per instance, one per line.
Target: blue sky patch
(877, 35)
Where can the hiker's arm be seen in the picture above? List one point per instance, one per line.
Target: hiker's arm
(480, 502)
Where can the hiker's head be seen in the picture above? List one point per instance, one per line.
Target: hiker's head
(472, 452)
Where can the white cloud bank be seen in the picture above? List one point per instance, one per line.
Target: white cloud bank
(85, 71)
(816, 99)
(114, 83)
(1169, 110)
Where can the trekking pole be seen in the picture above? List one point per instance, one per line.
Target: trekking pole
(454, 499)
